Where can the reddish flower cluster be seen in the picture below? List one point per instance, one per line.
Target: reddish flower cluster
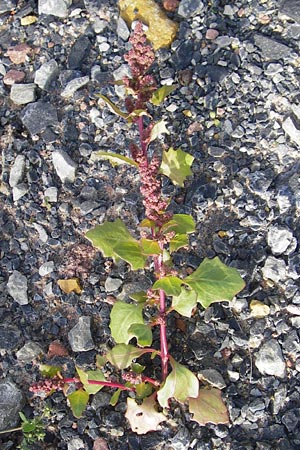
(155, 205)
(140, 58)
(47, 386)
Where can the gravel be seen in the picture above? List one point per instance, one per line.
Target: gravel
(237, 111)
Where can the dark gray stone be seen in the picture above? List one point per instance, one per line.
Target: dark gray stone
(11, 403)
(7, 5)
(46, 74)
(216, 73)
(184, 54)
(270, 48)
(291, 8)
(17, 287)
(37, 116)
(10, 337)
(79, 52)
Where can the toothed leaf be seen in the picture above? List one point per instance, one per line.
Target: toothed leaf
(176, 164)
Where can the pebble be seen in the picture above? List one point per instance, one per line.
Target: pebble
(29, 352)
(213, 377)
(190, 8)
(57, 8)
(19, 191)
(274, 269)
(122, 29)
(64, 166)
(112, 284)
(43, 236)
(51, 194)
(17, 287)
(46, 268)
(17, 171)
(79, 52)
(37, 116)
(211, 34)
(259, 309)
(291, 8)
(18, 53)
(13, 76)
(7, 5)
(80, 337)
(291, 130)
(74, 85)
(21, 94)
(12, 402)
(270, 48)
(10, 337)
(279, 398)
(46, 74)
(76, 444)
(269, 360)
(279, 239)
(273, 68)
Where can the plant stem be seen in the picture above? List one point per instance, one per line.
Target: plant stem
(11, 430)
(163, 335)
(140, 123)
(101, 383)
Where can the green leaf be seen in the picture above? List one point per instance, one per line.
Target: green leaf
(142, 333)
(137, 368)
(209, 407)
(158, 130)
(28, 426)
(100, 360)
(122, 316)
(113, 107)
(95, 375)
(131, 252)
(49, 371)
(147, 223)
(114, 158)
(139, 297)
(78, 401)
(143, 390)
(171, 285)
(108, 236)
(180, 224)
(214, 281)
(150, 247)
(176, 164)
(115, 397)
(185, 302)
(180, 384)
(179, 241)
(160, 94)
(23, 417)
(121, 356)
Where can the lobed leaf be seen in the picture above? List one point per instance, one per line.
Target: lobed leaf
(142, 333)
(150, 247)
(131, 252)
(158, 130)
(145, 417)
(114, 158)
(122, 316)
(114, 240)
(185, 302)
(213, 281)
(122, 355)
(78, 401)
(180, 384)
(161, 93)
(180, 224)
(171, 285)
(209, 407)
(176, 164)
(179, 241)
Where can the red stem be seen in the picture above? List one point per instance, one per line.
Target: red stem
(101, 383)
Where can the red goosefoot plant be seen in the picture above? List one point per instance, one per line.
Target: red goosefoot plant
(161, 234)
